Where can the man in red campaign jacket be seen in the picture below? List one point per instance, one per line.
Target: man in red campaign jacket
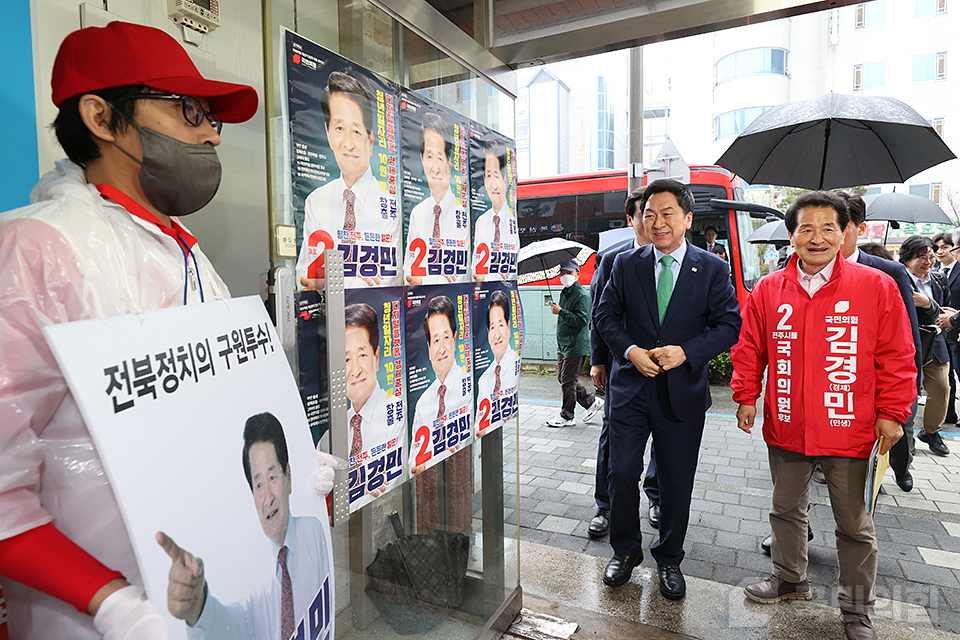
(837, 340)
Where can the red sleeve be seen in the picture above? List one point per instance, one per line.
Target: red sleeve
(749, 355)
(45, 559)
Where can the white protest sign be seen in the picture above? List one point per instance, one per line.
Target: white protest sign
(167, 397)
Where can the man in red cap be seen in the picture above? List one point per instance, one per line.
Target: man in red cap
(140, 126)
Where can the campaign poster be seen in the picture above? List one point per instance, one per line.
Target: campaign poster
(435, 172)
(343, 156)
(375, 376)
(439, 372)
(196, 417)
(493, 205)
(497, 343)
(312, 366)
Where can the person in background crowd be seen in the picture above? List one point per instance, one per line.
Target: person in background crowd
(930, 293)
(946, 256)
(573, 344)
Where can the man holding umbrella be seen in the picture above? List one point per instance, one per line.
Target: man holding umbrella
(573, 343)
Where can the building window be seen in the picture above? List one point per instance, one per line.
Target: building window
(924, 8)
(930, 67)
(937, 124)
(751, 62)
(922, 190)
(874, 74)
(871, 13)
(602, 156)
(935, 191)
(857, 77)
(734, 122)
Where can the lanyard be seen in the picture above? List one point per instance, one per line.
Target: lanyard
(184, 240)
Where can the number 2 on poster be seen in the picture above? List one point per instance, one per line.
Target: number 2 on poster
(484, 251)
(419, 248)
(422, 439)
(318, 237)
(483, 415)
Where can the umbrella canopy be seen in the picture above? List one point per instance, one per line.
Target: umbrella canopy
(903, 207)
(541, 260)
(835, 141)
(771, 233)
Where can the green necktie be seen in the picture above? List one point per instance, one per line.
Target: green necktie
(665, 286)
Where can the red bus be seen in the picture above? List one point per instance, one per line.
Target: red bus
(581, 206)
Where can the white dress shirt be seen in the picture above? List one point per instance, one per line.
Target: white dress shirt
(378, 227)
(812, 283)
(258, 617)
(454, 237)
(377, 425)
(509, 377)
(503, 254)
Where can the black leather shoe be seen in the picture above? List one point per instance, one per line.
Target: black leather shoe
(905, 482)
(600, 524)
(767, 542)
(672, 584)
(935, 443)
(620, 568)
(654, 516)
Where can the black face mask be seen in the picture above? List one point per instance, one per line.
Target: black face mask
(178, 178)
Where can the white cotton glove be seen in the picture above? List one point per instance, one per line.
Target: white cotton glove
(126, 614)
(323, 480)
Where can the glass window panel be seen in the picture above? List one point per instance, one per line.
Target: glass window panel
(874, 74)
(920, 190)
(923, 68)
(923, 8)
(876, 12)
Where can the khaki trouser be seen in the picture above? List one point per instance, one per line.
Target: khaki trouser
(936, 382)
(856, 537)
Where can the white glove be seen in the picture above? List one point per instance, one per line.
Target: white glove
(126, 614)
(323, 480)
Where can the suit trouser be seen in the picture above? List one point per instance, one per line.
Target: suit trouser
(901, 454)
(937, 386)
(568, 375)
(856, 536)
(601, 492)
(678, 445)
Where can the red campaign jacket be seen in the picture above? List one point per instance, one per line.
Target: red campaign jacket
(837, 361)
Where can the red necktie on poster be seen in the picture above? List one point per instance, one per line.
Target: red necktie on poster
(350, 217)
(356, 445)
(496, 230)
(436, 221)
(442, 408)
(496, 382)
(286, 596)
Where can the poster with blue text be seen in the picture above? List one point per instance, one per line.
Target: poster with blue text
(439, 372)
(493, 205)
(497, 342)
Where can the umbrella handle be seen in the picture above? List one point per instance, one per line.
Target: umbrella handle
(543, 267)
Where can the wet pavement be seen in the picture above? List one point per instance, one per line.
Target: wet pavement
(918, 582)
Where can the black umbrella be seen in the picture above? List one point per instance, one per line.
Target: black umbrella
(904, 207)
(835, 141)
(771, 233)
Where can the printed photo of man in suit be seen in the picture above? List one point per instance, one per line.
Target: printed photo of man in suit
(666, 310)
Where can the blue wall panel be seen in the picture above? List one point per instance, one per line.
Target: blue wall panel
(19, 160)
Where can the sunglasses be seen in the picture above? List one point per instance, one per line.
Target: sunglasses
(193, 111)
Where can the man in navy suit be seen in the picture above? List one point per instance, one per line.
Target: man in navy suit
(948, 267)
(667, 309)
(600, 361)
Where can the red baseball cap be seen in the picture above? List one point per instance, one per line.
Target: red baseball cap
(123, 53)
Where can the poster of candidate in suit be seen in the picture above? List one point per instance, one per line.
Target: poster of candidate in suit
(433, 141)
(497, 340)
(439, 372)
(343, 167)
(493, 205)
(208, 453)
(375, 378)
